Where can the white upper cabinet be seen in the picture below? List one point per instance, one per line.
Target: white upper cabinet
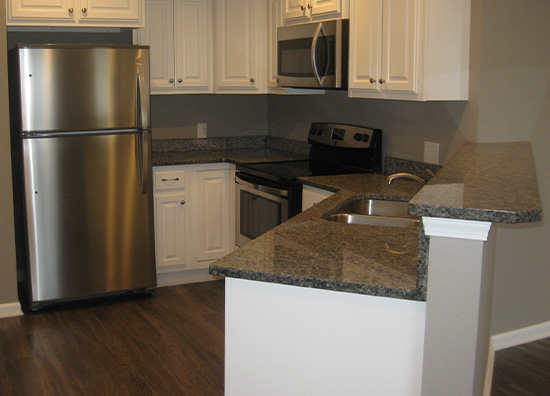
(179, 33)
(241, 46)
(409, 49)
(85, 13)
(300, 11)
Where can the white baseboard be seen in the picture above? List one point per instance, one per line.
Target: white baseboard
(10, 309)
(521, 336)
(512, 339)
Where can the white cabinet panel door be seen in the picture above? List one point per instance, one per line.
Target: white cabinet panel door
(214, 212)
(320, 7)
(105, 10)
(293, 9)
(172, 228)
(193, 21)
(159, 35)
(42, 9)
(238, 40)
(400, 45)
(365, 44)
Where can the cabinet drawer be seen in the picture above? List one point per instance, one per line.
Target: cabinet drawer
(170, 180)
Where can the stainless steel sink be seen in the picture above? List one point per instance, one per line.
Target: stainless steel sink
(375, 212)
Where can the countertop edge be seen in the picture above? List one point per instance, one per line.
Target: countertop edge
(346, 287)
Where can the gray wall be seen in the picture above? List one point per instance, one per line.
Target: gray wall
(176, 116)
(405, 125)
(514, 105)
(8, 284)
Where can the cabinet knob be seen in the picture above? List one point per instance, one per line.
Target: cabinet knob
(372, 80)
(84, 10)
(309, 6)
(171, 81)
(302, 8)
(381, 81)
(182, 202)
(252, 80)
(71, 10)
(180, 80)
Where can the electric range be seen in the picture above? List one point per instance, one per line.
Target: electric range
(268, 193)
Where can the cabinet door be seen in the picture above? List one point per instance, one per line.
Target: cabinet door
(365, 44)
(213, 228)
(171, 229)
(111, 10)
(275, 20)
(41, 10)
(400, 43)
(293, 9)
(321, 7)
(193, 45)
(159, 35)
(240, 35)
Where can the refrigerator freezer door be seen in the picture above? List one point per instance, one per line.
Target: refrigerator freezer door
(82, 88)
(90, 228)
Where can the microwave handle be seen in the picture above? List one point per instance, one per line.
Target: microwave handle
(313, 48)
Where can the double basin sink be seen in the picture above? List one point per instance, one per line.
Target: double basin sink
(375, 212)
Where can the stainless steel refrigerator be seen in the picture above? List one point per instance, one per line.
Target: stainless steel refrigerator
(81, 150)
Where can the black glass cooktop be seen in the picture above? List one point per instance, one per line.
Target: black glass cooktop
(289, 171)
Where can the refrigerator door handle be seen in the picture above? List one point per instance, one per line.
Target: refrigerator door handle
(145, 159)
(143, 122)
(143, 96)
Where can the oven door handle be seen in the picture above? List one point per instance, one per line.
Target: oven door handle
(259, 187)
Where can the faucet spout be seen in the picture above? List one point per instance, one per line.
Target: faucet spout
(410, 176)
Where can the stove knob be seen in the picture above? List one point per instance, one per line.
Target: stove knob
(312, 131)
(357, 137)
(365, 138)
(320, 131)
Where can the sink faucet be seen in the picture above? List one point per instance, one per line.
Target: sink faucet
(410, 176)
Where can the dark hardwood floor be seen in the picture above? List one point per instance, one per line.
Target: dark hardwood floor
(523, 370)
(171, 343)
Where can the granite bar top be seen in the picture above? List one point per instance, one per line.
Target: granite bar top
(310, 251)
(494, 182)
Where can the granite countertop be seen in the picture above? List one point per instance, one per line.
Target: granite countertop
(493, 182)
(234, 156)
(312, 252)
(486, 182)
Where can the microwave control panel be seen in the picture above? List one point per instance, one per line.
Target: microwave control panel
(342, 135)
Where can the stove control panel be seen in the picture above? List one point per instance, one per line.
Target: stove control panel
(342, 135)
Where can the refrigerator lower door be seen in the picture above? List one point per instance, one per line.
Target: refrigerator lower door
(89, 226)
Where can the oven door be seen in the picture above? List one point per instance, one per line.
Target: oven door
(260, 206)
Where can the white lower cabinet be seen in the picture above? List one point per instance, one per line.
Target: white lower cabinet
(193, 220)
(312, 195)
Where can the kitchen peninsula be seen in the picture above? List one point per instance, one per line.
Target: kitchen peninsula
(314, 307)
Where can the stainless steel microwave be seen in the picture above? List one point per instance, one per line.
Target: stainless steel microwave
(313, 55)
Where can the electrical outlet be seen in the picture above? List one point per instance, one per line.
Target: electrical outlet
(431, 153)
(201, 130)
